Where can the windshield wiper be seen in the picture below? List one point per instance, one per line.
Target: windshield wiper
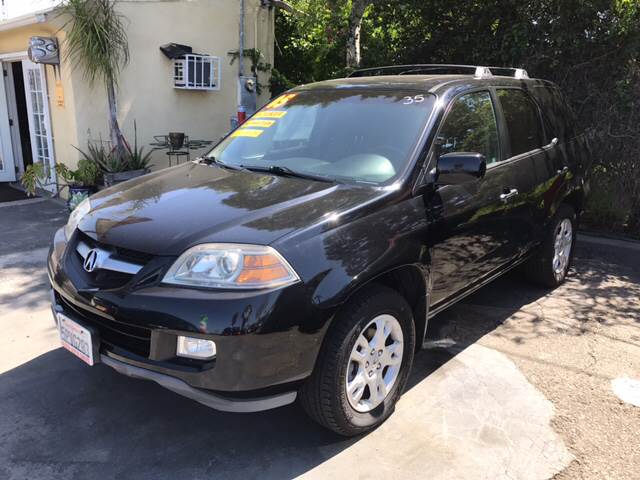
(220, 163)
(286, 171)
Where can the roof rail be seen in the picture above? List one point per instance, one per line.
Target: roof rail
(441, 69)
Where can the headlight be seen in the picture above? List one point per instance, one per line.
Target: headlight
(226, 265)
(74, 219)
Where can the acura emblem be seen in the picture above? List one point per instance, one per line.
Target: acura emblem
(91, 260)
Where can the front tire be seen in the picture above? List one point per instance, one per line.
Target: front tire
(364, 364)
(549, 266)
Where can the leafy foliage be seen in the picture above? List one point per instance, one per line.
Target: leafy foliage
(257, 65)
(96, 39)
(35, 175)
(87, 173)
(590, 48)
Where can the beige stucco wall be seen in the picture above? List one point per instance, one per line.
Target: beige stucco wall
(146, 92)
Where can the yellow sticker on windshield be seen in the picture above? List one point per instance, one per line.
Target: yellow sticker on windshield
(280, 101)
(272, 114)
(259, 123)
(247, 132)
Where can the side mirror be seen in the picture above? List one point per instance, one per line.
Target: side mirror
(460, 167)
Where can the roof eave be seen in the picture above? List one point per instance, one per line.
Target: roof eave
(26, 20)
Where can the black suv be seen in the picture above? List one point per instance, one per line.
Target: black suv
(306, 252)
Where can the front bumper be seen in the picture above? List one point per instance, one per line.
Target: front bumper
(225, 404)
(267, 342)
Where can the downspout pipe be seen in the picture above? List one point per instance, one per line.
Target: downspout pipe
(242, 112)
(241, 43)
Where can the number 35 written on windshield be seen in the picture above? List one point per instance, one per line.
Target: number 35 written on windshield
(414, 99)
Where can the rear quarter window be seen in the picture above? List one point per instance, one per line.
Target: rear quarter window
(523, 121)
(560, 120)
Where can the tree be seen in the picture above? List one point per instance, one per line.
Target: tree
(590, 48)
(329, 23)
(97, 42)
(358, 9)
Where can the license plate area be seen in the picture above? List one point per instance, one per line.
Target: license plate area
(79, 339)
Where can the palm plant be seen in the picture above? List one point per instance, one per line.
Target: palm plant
(97, 42)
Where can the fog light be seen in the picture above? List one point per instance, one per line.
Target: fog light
(190, 347)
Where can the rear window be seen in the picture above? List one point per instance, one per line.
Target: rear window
(559, 118)
(523, 121)
(343, 134)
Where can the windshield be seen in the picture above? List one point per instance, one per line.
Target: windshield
(340, 134)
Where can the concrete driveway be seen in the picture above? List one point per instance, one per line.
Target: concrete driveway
(516, 385)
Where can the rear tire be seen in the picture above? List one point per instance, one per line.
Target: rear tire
(353, 357)
(548, 266)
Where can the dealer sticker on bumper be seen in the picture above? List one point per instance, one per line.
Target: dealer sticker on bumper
(77, 339)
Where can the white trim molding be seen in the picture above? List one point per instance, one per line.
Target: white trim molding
(13, 56)
(25, 20)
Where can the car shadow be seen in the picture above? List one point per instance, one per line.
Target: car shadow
(62, 419)
(83, 422)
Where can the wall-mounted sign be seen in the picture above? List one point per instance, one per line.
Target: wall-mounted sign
(59, 94)
(44, 50)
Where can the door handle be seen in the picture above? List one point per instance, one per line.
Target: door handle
(506, 196)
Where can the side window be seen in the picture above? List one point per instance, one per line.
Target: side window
(523, 121)
(470, 126)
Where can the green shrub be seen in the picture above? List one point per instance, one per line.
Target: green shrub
(87, 173)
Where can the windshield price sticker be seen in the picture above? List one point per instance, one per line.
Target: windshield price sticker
(271, 114)
(259, 123)
(280, 101)
(247, 132)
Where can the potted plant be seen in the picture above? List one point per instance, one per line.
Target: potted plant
(111, 165)
(134, 163)
(81, 182)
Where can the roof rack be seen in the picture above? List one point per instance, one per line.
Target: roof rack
(442, 69)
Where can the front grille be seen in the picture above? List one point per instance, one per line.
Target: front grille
(121, 253)
(104, 278)
(132, 255)
(113, 333)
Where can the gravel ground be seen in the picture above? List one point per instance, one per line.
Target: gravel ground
(570, 344)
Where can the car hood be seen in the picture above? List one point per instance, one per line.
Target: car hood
(173, 209)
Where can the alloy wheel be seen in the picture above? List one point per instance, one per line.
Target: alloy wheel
(562, 248)
(374, 363)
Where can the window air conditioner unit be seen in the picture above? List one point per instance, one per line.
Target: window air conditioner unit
(196, 72)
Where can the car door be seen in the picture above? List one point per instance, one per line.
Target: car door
(471, 224)
(531, 161)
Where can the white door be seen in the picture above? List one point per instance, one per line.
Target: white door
(35, 86)
(7, 168)
(14, 119)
